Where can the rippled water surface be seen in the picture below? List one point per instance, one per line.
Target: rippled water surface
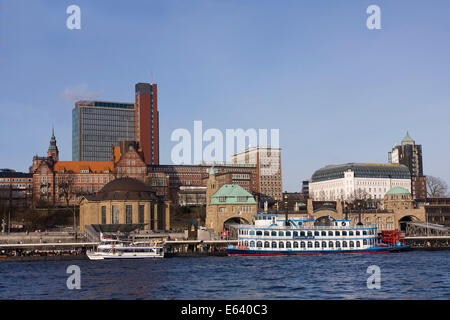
(406, 275)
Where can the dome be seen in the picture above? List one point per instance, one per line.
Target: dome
(125, 184)
(398, 190)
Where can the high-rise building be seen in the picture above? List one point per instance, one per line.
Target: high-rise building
(97, 126)
(147, 121)
(268, 166)
(410, 154)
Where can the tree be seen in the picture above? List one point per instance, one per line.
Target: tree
(436, 187)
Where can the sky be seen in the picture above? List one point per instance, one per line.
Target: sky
(337, 91)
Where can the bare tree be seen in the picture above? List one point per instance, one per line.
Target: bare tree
(436, 187)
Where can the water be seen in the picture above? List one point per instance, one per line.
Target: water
(406, 275)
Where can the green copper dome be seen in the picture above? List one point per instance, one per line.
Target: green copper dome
(398, 190)
(407, 138)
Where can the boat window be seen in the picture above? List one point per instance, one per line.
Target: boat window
(259, 244)
(316, 233)
(259, 233)
(281, 234)
(338, 233)
(266, 244)
(350, 233)
(344, 244)
(252, 233)
(266, 233)
(358, 233)
(288, 244)
(252, 243)
(344, 233)
(295, 234)
(316, 244)
(323, 233)
(364, 233)
(330, 244)
(302, 244)
(281, 245)
(324, 244)
(288, 233)
(309, 234)
(274, 244)
(338, 244)
(300, 223)
(246, 243)
(302, 233)
(330, 233)
(296, 244)
(352, 244)
(365, 242)
(358, 244)
(274, 233)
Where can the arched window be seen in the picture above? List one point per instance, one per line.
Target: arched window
(344, 233)
(295, 244)
(358, 233)
(281, 234)
(266, 233)
(288, 244)
(274, 233)
(302, 233)
(358, 245)
(274, 244)
(281, 244)
(252, 233)
(365, 242)
(352, 244)
(338, 233)
(295, 234)
(246, 243)
(338, 244)
(350, 233)
(364, 233)
(309, 244)
(259, 244)
(330, 244)
(324, 233)
(316, 233)
(266, 244)
(309, 234)
(344, 244)
(316, 244)
(252, 243)
(302, 244)
(259, 233)
(324, 244)
(288, 233)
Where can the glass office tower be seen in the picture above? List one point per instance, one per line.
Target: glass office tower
(97, 126)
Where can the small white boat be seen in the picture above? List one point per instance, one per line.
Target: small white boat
(115, 249)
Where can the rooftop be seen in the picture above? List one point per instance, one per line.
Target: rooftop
(232, 194)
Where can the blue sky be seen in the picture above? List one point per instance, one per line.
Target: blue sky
(337, 91)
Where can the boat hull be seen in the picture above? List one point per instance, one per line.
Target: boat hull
(249, 252)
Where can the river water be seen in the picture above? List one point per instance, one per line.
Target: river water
(405, 275)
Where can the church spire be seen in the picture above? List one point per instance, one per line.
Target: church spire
(53, 148)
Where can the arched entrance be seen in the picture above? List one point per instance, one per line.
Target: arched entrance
(324, 221)
(404, 221)
(234, 220)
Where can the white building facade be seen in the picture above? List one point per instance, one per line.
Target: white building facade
(357, 181)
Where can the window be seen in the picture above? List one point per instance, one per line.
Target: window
(330, 244)
(316, 244)
(281, 245)
(266, 233)
(324, 233)
(129, 214)
(115, 215)
(103, 214)
(252, 233)
(274, 233)
(259, 244)
(309, 244)
(141, 213)
(316, 233)
(338, 233)
(302, 233)
(344, 244)
(365, 242)
(281, 234)
(266, 244)
(259, 233)
(288, 233)
(330, 233)
(324, 244)
(358, 233)
(309, 234)
(344, 233)
(338, 244)
(274, 244)
(350, 233)
(288, 245)
(302, 244)
(252, 243)
(296, 244)
(352, 244)
(358, 244)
